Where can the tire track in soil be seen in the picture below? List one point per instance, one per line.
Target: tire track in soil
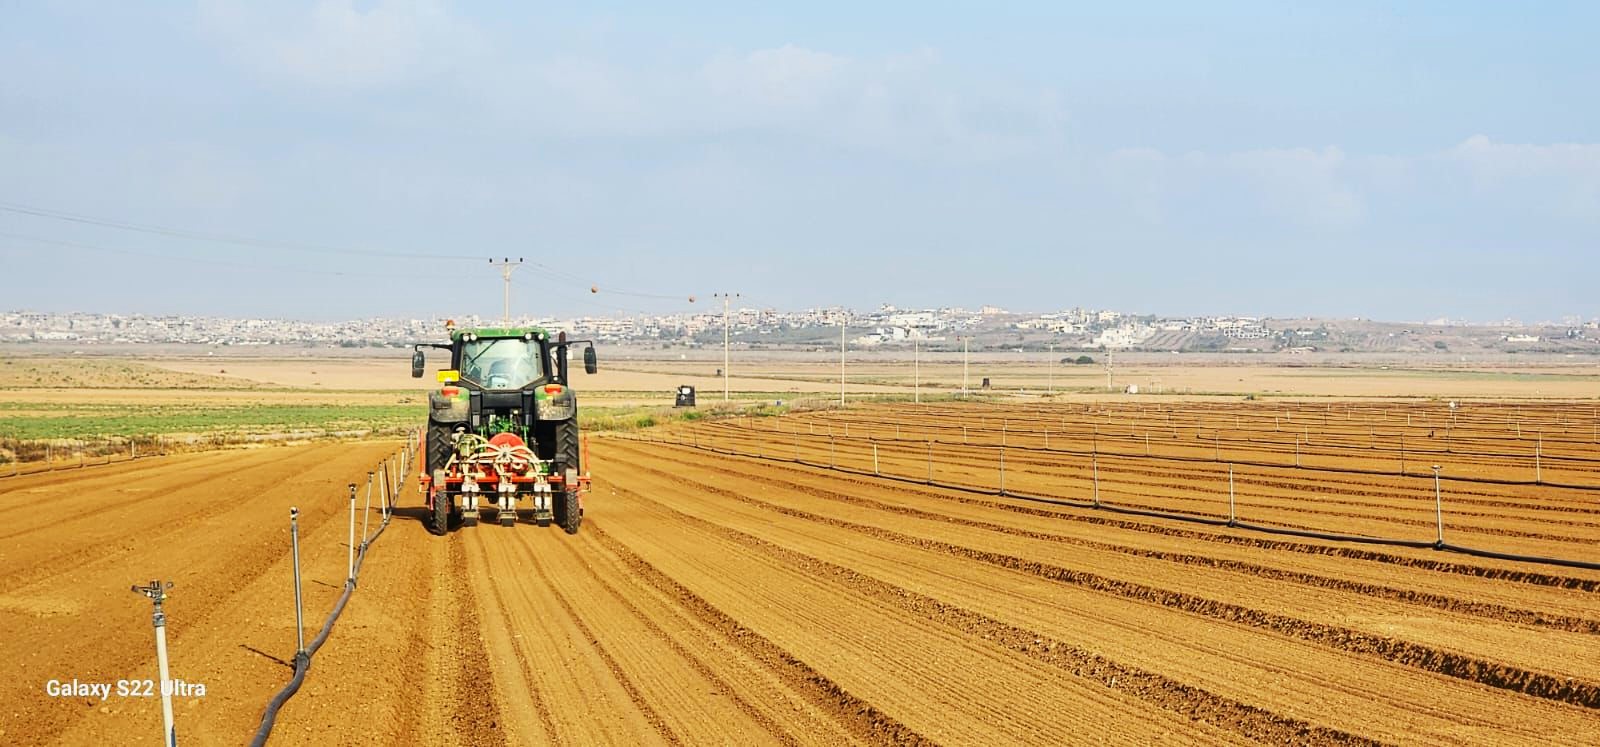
(474, 717)
(944, 684)
(425, 589)
(514, 683)
(904, 486)
(660, 725)
(1344, 639)
(1436, 601)
(1159, 691)
(436, 660)
(773, 729)
(580, 699)
(861, 718)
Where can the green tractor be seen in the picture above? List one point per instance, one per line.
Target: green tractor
(505, 422)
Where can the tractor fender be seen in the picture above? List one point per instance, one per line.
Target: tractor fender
(562, 406)
(448, 409)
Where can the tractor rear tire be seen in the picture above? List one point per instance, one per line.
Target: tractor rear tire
(568, 511)
(568, 447)
(568, 453)
(440, 523)
(440, 445)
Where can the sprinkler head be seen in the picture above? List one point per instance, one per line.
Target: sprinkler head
(156, 590)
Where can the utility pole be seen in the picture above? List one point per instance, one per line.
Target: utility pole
(1110, 365)
(916, 371)
(506, 268)
(726, 297)
(964, 362)
(1052, 376)
(842, 326)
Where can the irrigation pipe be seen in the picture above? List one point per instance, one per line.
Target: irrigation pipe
(303, 663)
(1246, 462)
(1190, 518)
(1342, 441)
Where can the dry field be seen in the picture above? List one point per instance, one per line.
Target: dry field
(1278, 376)
(629, 376)
(394, 373)
(714, 597)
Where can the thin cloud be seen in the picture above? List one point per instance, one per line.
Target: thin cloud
(1327, 188)
(332, 44)
(1567, 175)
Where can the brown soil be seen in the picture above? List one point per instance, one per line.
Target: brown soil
(741, 599)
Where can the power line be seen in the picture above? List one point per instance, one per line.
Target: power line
(209, 260)
(558, 290)
(192, 235)
(575, 296)
(595, 287)
(212, 237)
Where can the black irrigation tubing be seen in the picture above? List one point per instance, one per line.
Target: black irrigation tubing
(302, 664)
(1190, 518)
(1524, 558)
(1204, 460)
(1334, 440)
(1555, 412)
(1462, 434)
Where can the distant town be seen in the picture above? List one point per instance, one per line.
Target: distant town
(986, 328)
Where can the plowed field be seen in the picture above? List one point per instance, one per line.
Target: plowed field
(727, 598)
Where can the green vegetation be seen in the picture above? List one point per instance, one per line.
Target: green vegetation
(627, 419)
(97, 421)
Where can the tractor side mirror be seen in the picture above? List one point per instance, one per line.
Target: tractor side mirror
(417, 363)
(590, 365)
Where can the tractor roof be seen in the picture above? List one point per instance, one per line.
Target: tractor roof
(499, 332)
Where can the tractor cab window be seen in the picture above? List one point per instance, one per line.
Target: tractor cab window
(510, 363)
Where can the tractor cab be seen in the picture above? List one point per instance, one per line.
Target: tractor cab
(501, 363)
(504, 416)
(504, 359)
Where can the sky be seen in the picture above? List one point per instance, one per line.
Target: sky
(328, 159)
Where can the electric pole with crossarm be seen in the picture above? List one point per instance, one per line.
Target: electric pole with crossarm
(726, 297)
(506, 268)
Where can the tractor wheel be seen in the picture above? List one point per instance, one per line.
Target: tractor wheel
(567, 447)
(440, 523)
(440, 445)
(568, 511)
(568, 451)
